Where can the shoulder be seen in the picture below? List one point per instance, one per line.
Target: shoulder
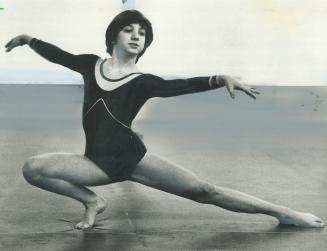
(148, 80)
(152, 78)
(87, 60)
(91, 58)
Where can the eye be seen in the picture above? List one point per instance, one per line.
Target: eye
(128, 29)
(142, 32)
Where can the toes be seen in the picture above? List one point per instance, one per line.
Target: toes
(83, 225)
(320, 223)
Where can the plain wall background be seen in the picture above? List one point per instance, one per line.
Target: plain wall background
(271, 42)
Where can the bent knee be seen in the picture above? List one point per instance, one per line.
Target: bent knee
(32, 169)
(201, 192)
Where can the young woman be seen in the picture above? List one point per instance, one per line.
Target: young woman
(114, 92)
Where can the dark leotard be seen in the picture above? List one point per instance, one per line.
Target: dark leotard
(108, 114)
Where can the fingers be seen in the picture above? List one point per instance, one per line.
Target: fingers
(250, 91)
(16, 41)
(11, 45)
(254, 90)
(230, 89)
(8, 46)
(231, 85)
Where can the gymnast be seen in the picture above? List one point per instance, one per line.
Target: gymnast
(114, 92)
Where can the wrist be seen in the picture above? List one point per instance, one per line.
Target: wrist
(28, 39)
(31, 41)
(216, 81)
(25, 39)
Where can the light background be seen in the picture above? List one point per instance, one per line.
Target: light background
(267, 42)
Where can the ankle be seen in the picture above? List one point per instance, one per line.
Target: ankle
(95, 201)
(282, 212)
(90, 200)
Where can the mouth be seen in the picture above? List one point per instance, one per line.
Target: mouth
(133, 45)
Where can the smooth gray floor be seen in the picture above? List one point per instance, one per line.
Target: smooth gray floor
(274, 148)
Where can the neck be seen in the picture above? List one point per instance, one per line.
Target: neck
(122, 60)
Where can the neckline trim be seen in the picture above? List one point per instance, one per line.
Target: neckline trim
(114, 79)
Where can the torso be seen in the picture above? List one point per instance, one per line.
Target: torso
(110, 107)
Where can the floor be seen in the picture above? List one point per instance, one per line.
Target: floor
(274, 148)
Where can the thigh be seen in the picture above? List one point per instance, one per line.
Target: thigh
(162, 174)
(73, 168)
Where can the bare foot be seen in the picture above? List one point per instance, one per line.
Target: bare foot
(91, 211)
(291, 217)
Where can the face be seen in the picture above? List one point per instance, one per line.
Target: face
(131, 39)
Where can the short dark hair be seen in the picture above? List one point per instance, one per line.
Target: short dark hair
(122, 20)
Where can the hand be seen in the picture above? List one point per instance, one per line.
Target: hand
(232, 84)
(17, 41)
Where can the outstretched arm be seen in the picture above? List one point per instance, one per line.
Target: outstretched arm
(159, 87)
(48, 51)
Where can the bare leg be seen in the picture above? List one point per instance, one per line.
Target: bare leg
(161, 174)
(68, 174)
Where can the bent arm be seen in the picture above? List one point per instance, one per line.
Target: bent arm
(159, 87)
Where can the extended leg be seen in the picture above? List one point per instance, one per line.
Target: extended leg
(161, 174)
(68, 174)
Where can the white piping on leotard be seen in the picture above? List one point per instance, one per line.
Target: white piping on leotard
(105, 105)
(106, 84)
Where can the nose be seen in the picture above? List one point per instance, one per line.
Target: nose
(135, 36)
